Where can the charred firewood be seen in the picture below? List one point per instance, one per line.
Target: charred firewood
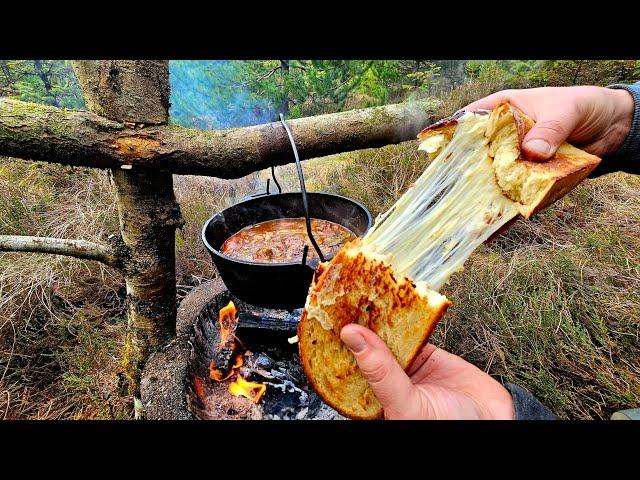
(224, 359)
(213, 347)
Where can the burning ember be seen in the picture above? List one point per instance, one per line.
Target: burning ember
(199, 387)
(228, 320)
(218, 375)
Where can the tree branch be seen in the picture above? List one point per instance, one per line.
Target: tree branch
(58, 246)
(45, 133)
(264, 76)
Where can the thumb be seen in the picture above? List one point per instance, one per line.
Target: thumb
(390, 384)
(549, 132)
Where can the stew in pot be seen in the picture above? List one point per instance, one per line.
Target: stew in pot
(282, 240)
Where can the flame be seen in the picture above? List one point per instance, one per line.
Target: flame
(238, 362)
(239, 387)
(216, 373)
(199, 387)
(251, 390)
(227, 319)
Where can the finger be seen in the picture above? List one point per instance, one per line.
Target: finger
(489, 102)
(390, 384)
(552, 128)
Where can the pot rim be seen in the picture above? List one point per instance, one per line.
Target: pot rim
(263, 264)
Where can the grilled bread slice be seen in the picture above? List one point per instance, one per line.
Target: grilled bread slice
(360, 285)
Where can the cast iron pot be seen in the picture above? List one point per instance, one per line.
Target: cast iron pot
(276, 285)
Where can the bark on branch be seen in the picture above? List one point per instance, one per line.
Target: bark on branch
(59, 246)
(39, 132)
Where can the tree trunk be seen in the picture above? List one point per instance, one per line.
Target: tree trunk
(284, 73)
(149, 216)
(41, 132)
(7, 74)
(46, 81)
(577, 72)
(138, 92)
(126, 90)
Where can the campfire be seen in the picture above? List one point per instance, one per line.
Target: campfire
(242, 365)
(227, 347)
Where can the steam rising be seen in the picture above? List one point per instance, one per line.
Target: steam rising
(209, 94)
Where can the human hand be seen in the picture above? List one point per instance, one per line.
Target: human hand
(438, 385)
(595, 119)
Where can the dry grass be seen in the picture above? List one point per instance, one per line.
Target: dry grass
(200, 198)
(375, 177)
(61, 319)
(468, 92)
(554, 304)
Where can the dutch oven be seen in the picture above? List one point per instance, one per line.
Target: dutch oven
(278, 285)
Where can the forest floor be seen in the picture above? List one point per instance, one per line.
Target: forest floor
(553, 304)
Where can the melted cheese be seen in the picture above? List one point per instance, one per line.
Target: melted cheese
(453, 207)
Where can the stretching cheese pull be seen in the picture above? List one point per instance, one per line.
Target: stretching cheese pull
(434, 227)
(388, 281)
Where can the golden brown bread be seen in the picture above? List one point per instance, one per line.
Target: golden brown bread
(359, 284)
(357, 287)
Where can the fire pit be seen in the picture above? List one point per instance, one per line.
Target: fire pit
(258, 378)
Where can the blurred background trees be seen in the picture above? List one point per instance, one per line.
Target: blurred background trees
(51, 82)
(221, 94)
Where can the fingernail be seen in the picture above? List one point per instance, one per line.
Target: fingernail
(354, 341)
(539, 146)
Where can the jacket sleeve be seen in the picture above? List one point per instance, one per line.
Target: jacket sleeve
(627, 158)
(528, 407)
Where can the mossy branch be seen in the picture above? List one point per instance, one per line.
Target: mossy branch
(41, 132)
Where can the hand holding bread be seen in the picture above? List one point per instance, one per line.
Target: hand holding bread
(596, 119)
(368, 316)
(438, 386)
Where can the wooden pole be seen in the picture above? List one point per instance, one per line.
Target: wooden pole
(60, 246)
(138, 91)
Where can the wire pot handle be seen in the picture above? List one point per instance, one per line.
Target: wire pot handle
(305, 202)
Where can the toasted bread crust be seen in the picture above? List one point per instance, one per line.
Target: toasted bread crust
(446, 126)
(337, 406)
(568, 167)
(555, 177)
(354, 288)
